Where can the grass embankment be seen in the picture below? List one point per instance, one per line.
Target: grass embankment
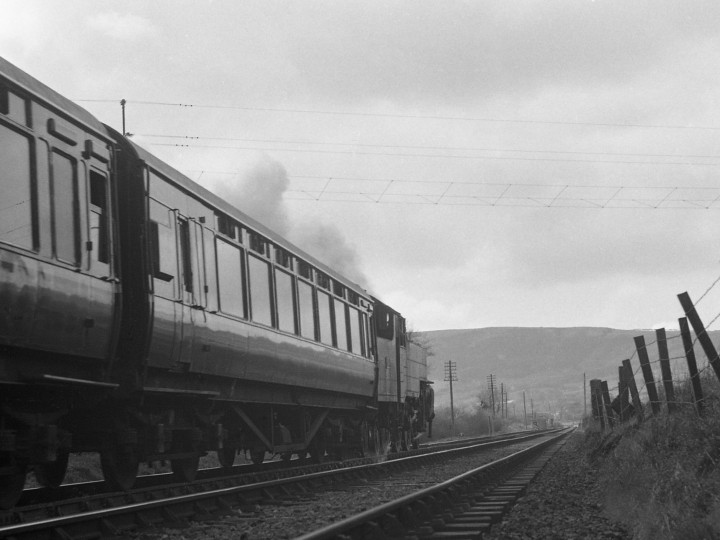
(661, 477)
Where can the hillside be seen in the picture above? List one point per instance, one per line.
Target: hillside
(546, 363)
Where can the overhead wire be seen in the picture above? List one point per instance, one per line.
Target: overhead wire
(424, 147)
(440, 156)
(530, 121)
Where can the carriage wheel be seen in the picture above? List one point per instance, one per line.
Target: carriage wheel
(185, 469)
(226, 456)
(257, 456)
(119, 466)
(286, 456)
(52, 474)
(317, 450)
(11, 483)
(382, 442)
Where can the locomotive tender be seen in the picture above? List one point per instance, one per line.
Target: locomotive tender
(144, 318)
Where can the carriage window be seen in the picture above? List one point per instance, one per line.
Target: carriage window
(99, 217)
(260, 291)
(16, 223)
(365, 330)
(227, 226)
(306, 310)
(230, 279)
(338, 289)
(323, 281)
(285, 292)
(211, 274)
(257, 243)
(65, 209)
(341, 326)
(353, 297)
(384, 320)
(185, 255)
(324, 317)
(162, 249)
(304, 270)
(283, 258)
(356, 344)
(13, 106)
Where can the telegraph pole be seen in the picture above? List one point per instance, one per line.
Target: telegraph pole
(502, 401)
(491, 387)
(450, 376)
(584, 400)
(122, 105)
(532, 411)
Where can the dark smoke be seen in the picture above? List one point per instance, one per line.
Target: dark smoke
(258, 191)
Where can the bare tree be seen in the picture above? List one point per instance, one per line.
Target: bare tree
(421, 339)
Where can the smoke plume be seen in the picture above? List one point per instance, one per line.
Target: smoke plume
(258, 191)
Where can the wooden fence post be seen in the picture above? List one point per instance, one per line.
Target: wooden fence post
(647, 374)
(606, 401)
(700, 332)
(596, 400)
(665, 368)
(630, 380)
(623, 395)
(692, 365)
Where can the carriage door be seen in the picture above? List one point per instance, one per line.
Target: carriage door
(187, 289)
(190, 244)
(167, 307)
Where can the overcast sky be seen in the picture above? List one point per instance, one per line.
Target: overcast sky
(472, 163)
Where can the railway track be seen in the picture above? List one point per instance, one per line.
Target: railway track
(108, 514)
(461, 508)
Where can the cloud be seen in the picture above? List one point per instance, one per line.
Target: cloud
(122, 26)
(574, 246)
(467, 52)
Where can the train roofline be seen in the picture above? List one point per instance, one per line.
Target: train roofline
(56, 101)
(51, 98)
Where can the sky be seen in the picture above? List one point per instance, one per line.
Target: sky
(473, 164)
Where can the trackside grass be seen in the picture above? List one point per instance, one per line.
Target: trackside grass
(661, 477)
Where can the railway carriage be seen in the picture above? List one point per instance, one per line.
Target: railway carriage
(143, 317)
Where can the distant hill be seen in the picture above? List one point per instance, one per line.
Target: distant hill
(546, 363)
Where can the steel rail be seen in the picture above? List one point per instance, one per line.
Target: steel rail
(103, 517)
(441, 491)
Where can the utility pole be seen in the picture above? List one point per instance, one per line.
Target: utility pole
(502, 400)
(584, 400)
(491, 387)
(450, 376)
(122, 105)
(507, 403)
(524, 411)
(532, 411)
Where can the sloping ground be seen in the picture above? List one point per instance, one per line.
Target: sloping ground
(661, 478)
(546, 363)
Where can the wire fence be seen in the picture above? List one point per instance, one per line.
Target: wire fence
(662, 372)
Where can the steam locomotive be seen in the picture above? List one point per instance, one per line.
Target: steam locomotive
(145, 318)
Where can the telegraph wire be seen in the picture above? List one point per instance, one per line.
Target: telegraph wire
(422, 147)
(442, 156)
(508, 185)
(502, 199)
(406, 116)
